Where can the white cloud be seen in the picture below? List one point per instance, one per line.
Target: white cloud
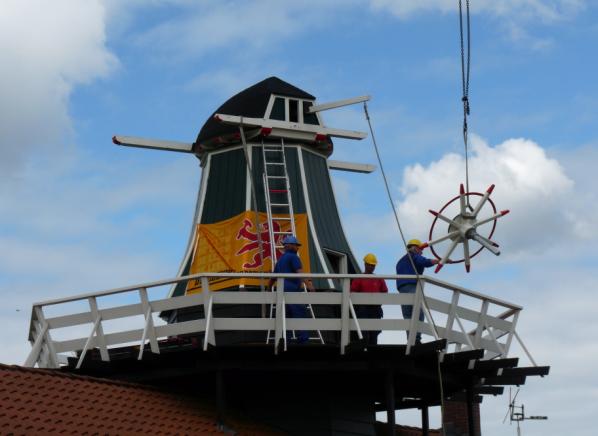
(47, 48)
(528, 182)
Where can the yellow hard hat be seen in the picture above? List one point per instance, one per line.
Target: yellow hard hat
(415, 242)
(370, 259)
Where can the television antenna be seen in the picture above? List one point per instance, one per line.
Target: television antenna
(517, 413)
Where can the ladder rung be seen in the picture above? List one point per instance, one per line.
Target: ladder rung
(278, 191)
(279, 204)
(283, 233)
(276, 177)
(278, 150)
(274, 163)
(281, 219)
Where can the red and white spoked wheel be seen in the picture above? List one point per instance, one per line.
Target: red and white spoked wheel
(465, 226)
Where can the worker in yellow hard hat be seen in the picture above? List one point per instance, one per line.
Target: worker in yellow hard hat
(372, 285)
(405, 267)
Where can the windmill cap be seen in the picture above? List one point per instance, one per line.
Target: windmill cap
(413, 242)
(370, 259)
(290, 240)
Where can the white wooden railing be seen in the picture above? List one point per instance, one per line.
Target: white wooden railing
(471, 325)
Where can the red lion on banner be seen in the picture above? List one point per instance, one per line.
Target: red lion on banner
(245, 233)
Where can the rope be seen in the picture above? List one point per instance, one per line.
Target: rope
(254, 202)
(392, 203)
(465, 68)
(394, 209)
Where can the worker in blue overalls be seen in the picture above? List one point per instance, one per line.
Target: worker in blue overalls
(408, 286)
(289, 262)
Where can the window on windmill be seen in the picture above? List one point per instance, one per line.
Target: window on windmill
(277, 112)
(308, 117)
(293, 111)
(336, 260)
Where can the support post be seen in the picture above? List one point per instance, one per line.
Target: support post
(148, 330)
(390, 402)
(280, 332)
(52, 356)
(425, 421)
(209, 337)
(345, 327)
(36, 348)
(470, 417)
(99, 331)
(220, 398)
(511, 333)
(415, 316)
(481, 323)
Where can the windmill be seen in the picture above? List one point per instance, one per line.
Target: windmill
(265, 174)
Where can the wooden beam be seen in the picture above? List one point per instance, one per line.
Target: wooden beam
(338, 103)
(282, 128)
(156, 144)
(351, 166)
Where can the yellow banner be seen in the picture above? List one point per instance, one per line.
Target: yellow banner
(232, 246)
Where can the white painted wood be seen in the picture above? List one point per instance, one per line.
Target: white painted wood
(286, 129)
(356, 322)
(511, 333)
(208, 300)
(352, 167)
(338, 103)
(310, 220)
(345, 327)
(88, 342)
(149, 331)
(280, 332)
(157, 144)
(481, 321)
(45, 351)
(99, 331)
(33, 356)
(52, 356)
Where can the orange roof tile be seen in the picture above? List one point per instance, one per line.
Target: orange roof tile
(40, 401)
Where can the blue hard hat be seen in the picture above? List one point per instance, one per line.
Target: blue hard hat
(290, 240)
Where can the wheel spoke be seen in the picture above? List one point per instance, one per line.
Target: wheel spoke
(444, 238)
(466, 255)
(483, 200)
(491, 218)
(447, 255)
(443, 218)
(486, 243)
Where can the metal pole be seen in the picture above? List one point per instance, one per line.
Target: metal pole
(390, 403)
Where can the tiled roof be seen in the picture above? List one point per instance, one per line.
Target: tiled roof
(38, 401)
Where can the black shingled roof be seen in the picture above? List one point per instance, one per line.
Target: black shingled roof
(250, 102)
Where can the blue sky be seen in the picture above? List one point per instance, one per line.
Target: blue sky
(78, 213)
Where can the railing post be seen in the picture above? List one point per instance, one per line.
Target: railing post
(281, 331)
(52, 356)
(33, 356)
(99, 331)
(414, 315)
(451, 316)
(148, 330)
(209, 335)
(346, 299)
(511, 332)
(481, 324)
